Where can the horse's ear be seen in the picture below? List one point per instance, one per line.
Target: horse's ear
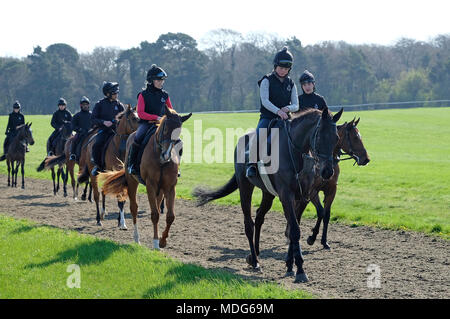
(337, 116)
(167, 110)
(185, 117)
(30, 124)
(325, 113)
(357, 121)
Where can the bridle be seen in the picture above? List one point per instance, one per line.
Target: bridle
(160, 141)
(350, 153)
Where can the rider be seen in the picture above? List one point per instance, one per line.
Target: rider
(103, 116)
(278, 96)
(309, 98)
(150, 108)
(15, 119)
(59, 118)
(81, 124)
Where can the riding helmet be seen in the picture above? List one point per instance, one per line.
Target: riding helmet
(110, 87)
(84, 99)
(62, 101)
(283, 58)
(16, 105)
(307, 77)
(156, 73)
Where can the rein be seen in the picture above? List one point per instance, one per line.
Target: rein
(350, 153)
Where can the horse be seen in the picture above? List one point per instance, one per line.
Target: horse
(350, 143)
(311, 131)
(58, 150)
(127, 123)
(159, 171)
(16, 153)
(54, 160)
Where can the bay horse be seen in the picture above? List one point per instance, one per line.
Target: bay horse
(350, 143)
(16, 153)
(159, 171)
(127, 123)
(311, 131)
(58, 150)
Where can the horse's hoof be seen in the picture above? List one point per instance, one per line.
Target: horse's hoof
(249, 260)
(310, 240)
(75, 198)
(289, 274)
(301, 278)
(123, 227)
(99, 223)
(65, 194)
(162, 243)
(23, 187)
(83, 197)
(326, 246)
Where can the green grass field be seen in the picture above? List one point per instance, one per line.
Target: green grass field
(108, 269)
(405, 186)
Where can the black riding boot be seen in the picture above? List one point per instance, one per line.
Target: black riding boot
(94, 159)
(133, 168)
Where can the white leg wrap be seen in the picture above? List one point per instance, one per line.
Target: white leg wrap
(122, 220)
(136, 235)
(156, 244)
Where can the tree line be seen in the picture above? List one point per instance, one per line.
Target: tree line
(224, 74)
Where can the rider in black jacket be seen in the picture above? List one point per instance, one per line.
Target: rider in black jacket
(15, 119)
(309, 98)
(61, 116)
(81, 124)
(103, 116)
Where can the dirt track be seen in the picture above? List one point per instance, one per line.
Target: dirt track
(412, 265)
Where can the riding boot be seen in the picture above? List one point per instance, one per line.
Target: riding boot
(133, 168)
(94, 159)
(251, 170)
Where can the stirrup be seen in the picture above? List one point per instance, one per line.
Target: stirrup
(73, 157)
(50, 153)
(95, 171)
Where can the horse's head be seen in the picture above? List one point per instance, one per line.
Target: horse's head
(351, 143)
(168, 133)
(128, 121)
(25, 133)
(323, 141)
(66, 131)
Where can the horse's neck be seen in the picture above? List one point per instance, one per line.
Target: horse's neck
(304, 130)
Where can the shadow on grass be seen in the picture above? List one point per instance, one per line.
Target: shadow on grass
(189, 274)
(85, 254)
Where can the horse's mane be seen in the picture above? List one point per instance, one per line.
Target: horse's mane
(163, 118)
(305, 114)
(126, 111)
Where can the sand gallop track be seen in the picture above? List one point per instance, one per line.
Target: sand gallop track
(411, 265)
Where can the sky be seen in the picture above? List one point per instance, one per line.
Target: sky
(86, 24)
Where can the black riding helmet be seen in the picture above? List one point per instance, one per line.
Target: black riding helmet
(62, 101)
(16, 105)
(283, 58)
(156, 73)
(110, 87)
(307, 77)
(84, 99)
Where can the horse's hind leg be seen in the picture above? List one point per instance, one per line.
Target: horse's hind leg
(65, 178)
(121, 218)
(23, 173)
(16, 172)
(246, 191)
(132, 190)
(58, 174)
(266, 204)
(9, 172)
(103, 206)
(154, 202)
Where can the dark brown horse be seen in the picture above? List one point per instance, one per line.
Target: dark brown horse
(350, 143)
(128, 122)
(58, 150)
(16, 153)
(311, 132)
(52, 161)
(159, 171)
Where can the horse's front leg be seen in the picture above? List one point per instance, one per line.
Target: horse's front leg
(9, 172)
(154, 207)
(54, 184)
(320, 214)
(16, 172)
(22, 167)
(121, 219)
(261, 212)
(294, 251)
(58, 174)
(169, 197)
(328, 201)
(94, 184)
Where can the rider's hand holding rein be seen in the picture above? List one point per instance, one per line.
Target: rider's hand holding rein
(107, 123)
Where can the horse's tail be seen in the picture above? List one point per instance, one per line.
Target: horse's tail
(205, 195)
(3, 157)
(115, 184)
(52, 161)
(84, 177)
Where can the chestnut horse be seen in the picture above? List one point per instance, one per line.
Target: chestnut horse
(128, 122)
(350, 143)
(159, 171)
(16, 153)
